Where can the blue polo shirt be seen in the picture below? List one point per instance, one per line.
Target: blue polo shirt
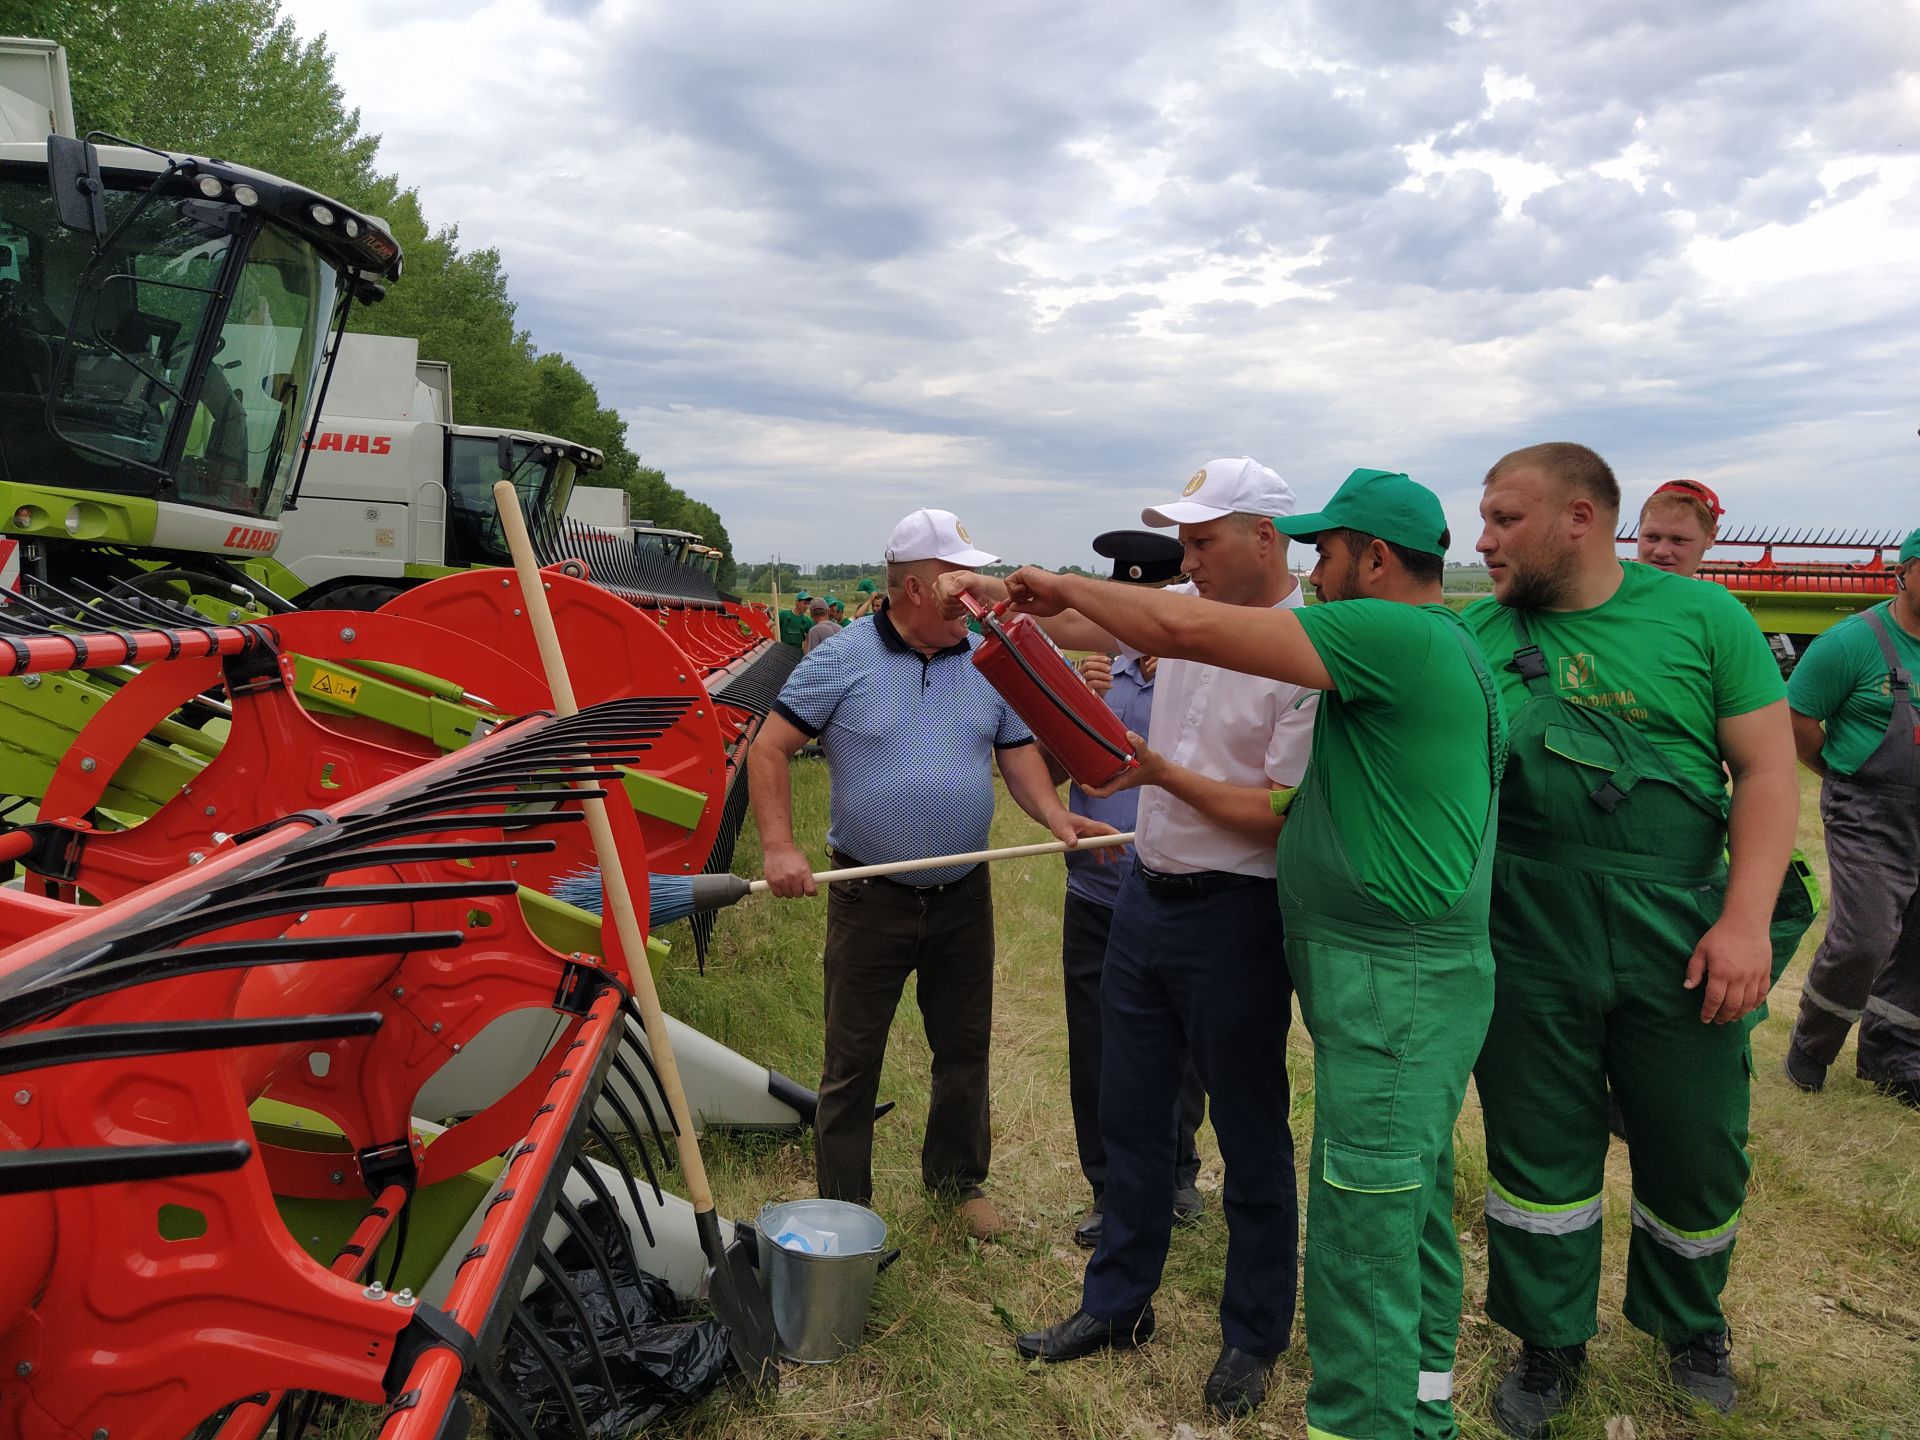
(1131, 698)
(909, 741)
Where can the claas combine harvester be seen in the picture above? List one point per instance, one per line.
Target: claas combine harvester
(310, 1089)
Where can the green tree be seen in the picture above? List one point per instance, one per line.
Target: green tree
(232, 78)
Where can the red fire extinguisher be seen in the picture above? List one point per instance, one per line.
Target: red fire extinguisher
(1035, 679)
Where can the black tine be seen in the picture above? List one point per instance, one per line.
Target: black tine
(646, 1058)
(76, 1044)
(576, 1224)
(503, 1407)
(52, 996)
(639, 1093)
(585, 1168)
(612, 1146)
(401, 829)
(549, 1267)
(339, 862)
(612, 1097)
(252, 905)
(550, 1362)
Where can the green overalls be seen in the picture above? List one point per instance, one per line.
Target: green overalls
(1396, 1010)
(1611, 865)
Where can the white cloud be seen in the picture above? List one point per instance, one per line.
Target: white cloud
(1036, 260)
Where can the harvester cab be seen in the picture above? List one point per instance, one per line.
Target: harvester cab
(167, 327)
(394, 493)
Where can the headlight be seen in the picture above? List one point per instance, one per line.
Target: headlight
(321, 214)
(210, 186)
(245, 194)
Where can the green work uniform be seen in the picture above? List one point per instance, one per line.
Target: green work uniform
(793, 629)
(1384, 874)
(1611, 866)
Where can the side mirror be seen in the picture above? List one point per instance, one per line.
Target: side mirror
(73, 172)
(503, 453)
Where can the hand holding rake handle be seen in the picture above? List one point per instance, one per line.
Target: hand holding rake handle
(733, 1289)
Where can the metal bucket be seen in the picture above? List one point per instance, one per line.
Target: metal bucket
(820, 1301)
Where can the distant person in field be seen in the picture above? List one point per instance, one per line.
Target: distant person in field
(1856, 726)
(911, 732)
(795, 622)
(822, 630)
(837, 611)
(1677, 527)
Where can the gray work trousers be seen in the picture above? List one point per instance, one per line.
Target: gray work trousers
(1867, 969)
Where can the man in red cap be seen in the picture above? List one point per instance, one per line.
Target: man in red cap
(1677, 526)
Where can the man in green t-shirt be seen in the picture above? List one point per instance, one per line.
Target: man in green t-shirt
(1383, 877)
(1617, 926)
(795, 623)
(1855, 725)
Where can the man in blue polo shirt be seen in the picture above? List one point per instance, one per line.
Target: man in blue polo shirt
(910, 731)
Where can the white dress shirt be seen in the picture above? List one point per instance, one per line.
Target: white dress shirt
(1241, 729)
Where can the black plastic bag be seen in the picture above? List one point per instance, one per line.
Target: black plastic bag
(669, 1363)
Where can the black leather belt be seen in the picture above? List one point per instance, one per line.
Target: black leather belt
(1194, 885)
(842, 861)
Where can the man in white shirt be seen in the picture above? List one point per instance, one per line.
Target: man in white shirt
(1194, 961)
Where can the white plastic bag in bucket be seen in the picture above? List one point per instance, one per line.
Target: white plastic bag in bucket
(817, 1260)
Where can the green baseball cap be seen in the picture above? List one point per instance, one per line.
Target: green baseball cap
(801, 595)
(1910, 548)
(865, 587)
(1381, 503)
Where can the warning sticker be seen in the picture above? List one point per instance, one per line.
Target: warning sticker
(335, 686)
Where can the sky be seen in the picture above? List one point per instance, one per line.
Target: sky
(1038, 262)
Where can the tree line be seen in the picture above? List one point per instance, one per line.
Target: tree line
(232, 79)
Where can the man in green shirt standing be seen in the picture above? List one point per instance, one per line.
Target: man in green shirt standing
(1855, 725)
(1384, 868)
(795, 623)
(1627, 946)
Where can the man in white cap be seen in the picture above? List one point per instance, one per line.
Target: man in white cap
(1193, 962)
(910, 731)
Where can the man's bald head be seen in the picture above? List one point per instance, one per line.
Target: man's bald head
(1574, 468)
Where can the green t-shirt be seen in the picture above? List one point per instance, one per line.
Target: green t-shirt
(793, 629)
(1842, 681)
(1400, 747)
(1671, 656)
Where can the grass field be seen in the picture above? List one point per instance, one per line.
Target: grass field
(1825, 1299)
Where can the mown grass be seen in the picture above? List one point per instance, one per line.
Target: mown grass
(1823, 1301)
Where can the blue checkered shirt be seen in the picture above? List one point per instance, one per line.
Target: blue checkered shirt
(909, 741)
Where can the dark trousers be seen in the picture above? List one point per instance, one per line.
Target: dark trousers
(1084, 929)
(878, 933)
(1867, 969)
(1205, 976)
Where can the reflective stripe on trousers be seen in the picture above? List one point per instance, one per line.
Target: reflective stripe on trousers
(1691, 1244)
(1509, 1209)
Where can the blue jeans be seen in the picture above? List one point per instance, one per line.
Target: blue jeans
(1206, 976)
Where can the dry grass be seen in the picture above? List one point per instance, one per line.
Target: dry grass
(1824, 1302)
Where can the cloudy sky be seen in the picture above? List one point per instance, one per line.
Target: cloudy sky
(1038, 261)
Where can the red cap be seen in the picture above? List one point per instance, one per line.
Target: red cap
(1693, 490)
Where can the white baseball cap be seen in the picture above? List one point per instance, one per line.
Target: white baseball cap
(935, 535)
(1224, 487)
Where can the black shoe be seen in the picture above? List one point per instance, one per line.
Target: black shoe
(1081, 1335)
(1188, 1205)
(1087, 1233)
(1238, 1383)
(1537, 1389)
(1703, 1369)
(1803, 1073)
(1906, 1091)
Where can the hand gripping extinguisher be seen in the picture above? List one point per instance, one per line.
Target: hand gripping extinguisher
(1035, 679)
